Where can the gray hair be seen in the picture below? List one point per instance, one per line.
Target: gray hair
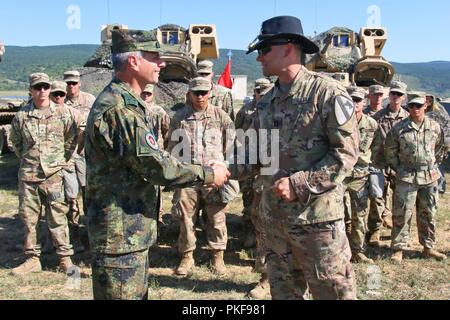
(120, 60)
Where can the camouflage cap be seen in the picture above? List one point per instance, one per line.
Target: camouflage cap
(72, 76)
(58, 86)
(205, 66)
(36, 78)
(356, 92)
(263, 85)
(149, 88)
(376, 89)
(200, 84)
(416, 97)
(398, 86)
(134, 40)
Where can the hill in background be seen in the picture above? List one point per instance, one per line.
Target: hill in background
(19, 62)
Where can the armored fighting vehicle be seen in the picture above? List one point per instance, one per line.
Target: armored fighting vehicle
(185, 47)
(352, 58)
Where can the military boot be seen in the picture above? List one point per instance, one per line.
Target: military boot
(397, 257)
(250, 240)
(360, 258)
(374, 239)
(32, 264)
(66, 265)
(431, 253)
(217, 263)
(262, 289)
(186, 265)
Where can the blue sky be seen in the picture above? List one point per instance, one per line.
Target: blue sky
(419, 31)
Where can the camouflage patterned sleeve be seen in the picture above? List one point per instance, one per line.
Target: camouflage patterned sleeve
(165, 128)
(391, 150)
(15, 137)
(71, 133)
(228, 105)
(341, 127)
(441, 149)
(132, 143)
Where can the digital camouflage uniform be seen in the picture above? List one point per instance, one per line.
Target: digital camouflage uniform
(306, 240)
(44, 140)
(125, 168)
(413, 152)
(222, 98)
(205, 133)
(381, 207)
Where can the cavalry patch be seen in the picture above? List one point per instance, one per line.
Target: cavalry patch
(343, 109)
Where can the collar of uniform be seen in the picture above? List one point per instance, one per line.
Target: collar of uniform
(34, 111)
(301, 76)
(420, 128)
(192, 114)
(73, 100)
(392, 114)
(132, 98)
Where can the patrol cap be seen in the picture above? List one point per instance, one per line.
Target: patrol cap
(398, 86)
(58, 86)
(134, 40)
(356, 92)
(205, 66)
(149, 88)
(37, 78)
(72, 76)
(263, 85)
(200, 84)
(282, 27)
(416, 97)
(376, 89)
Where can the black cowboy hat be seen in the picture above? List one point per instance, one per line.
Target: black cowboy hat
(286, 28)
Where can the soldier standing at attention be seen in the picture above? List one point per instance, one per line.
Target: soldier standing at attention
(358, 182)
(302, 206)
(125, 168)
(220, 96)
(204, 129)
(387, 118)
(414, 148)
(43, 136)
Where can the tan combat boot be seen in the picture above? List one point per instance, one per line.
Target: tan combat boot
(397, 257)
(32, 264)
(217, 263)
(374, 239)
(66, 265)
(186, 265)
(361, 258)
(431, 253)
(250, 240)
(262, 289)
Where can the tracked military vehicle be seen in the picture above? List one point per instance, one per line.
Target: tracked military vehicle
(185, 47)
(352, 58)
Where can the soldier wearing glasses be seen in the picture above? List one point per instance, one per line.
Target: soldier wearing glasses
(414, 148)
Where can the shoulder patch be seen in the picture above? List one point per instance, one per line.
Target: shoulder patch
(343, 109)
(145, 142)
(151, 141)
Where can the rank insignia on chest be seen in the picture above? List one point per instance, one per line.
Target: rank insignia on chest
(151, 141)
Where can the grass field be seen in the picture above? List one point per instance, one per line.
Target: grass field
(415, 278)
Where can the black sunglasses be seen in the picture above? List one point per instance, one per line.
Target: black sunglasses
(265, 50)
(72, 83)
(356, 100)
(415, 105)
(59, 94)
(200, 93)
(41, 86)
(398, 94)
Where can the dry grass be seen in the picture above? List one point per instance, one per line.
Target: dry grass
(416, 278)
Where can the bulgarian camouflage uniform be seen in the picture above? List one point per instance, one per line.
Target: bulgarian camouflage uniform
(318, 139)
(125, 168)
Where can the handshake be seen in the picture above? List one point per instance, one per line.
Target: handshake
(221, 173)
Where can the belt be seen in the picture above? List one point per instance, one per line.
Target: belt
(421, 167)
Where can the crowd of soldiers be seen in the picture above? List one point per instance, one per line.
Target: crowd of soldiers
(340, 164)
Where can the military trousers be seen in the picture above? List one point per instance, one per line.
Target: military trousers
(380, 208)
(72, 189)
(425, 199)
(120, 277)
(305, 260)
(260, 234)
(187, 202)
(50, 194)
(358, 190)
(247, 199)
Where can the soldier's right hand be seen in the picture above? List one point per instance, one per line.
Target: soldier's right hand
(221, 173)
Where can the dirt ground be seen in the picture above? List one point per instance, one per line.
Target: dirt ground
(415, 278)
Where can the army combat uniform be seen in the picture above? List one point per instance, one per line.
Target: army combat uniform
(306, 241)
(222, 98)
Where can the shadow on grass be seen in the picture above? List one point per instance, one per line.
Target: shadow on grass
(9, 167)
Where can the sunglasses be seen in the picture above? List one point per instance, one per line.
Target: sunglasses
(41, 86)
(200, 93)
(72, 83)
(356, 100)
(415, 105)
(59, 94)
(398, 94)
(265, 50)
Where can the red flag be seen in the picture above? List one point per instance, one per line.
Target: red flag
(225, 78)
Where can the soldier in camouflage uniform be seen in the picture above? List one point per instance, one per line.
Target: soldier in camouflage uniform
(43, 136)
(414, 148)
(125, 167)
(387, 118)
(220, 96)
(358, 182)
(203, 130)
(82, 102)
(301, 202)
(376, 95)
(244, 119)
